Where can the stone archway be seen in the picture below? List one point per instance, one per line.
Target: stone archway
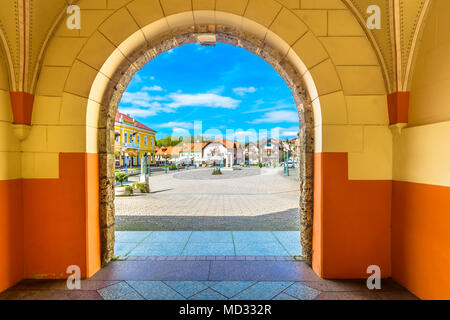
(186, 35)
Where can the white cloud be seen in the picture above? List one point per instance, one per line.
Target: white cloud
(141, 99)
(185, 125)
(279, 107)
(241, 91)
(137, 78)
(242, 136)
(211, 100)
(180, 132)
(142, 104)
(278, 117)
(152, 88)
(286, 132)
(141, 112)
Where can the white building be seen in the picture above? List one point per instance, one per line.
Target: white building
(252, 155)
(223, 152)
(192, 153)
(271, 151)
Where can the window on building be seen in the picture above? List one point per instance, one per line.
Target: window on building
(126, 137)
(117, 137)
(153, 142)
(138, 140)
(145, 141)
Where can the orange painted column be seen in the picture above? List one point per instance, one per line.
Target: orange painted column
(11, 233)
(421, 238)
(61, 219)
(351, 221)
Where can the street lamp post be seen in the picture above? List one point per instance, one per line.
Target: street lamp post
(148, 164)
(126, 163)
(188, 161)
(287, 167)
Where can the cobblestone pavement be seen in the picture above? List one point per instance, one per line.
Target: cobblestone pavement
(247, 199)
(205, 174)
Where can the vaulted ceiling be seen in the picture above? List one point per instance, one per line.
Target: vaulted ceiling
(26, 25)
(402, 22)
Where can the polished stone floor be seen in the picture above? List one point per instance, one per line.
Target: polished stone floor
(207, 243)
(206, 278)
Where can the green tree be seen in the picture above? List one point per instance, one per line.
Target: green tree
(121, 177)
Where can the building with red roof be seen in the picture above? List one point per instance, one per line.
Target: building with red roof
(134, 141)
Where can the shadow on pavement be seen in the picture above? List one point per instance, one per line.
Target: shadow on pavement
(288, 220)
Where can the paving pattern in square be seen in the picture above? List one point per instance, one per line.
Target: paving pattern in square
(248, 200)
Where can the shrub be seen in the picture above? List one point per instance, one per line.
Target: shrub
(216, 171)
(121, 177)
(142, 186)
(260, 165)
(129, 189)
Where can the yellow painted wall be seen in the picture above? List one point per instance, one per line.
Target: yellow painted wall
(422, 151)
(430, 94)
(322, 39)
(421, 172)
(10, 156)
(422, 154)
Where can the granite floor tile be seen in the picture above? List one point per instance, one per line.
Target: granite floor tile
(231, 288)
(260, 249)
(337, 285)
(50, 295)
(302, 292)
(131, 236)
(396, 295)
(211, 237)
(262, 291)
(261, 271)
(348, 296)
(187, 288)
(168, 236)
(118, 291)
(131, 296)
(154, 270)
(208, 294)
(211, 283)
(253, 236)
(123, 248)
(293, 248)
(287, 236)
(284, 296)
(155, 290)
(208, 249)
(158, 249)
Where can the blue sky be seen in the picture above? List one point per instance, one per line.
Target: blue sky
(224, 87)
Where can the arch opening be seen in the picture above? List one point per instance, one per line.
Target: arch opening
(145, 52)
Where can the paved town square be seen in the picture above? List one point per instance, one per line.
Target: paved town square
(250, 199)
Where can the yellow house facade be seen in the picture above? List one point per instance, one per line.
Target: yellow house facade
(133, 143)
